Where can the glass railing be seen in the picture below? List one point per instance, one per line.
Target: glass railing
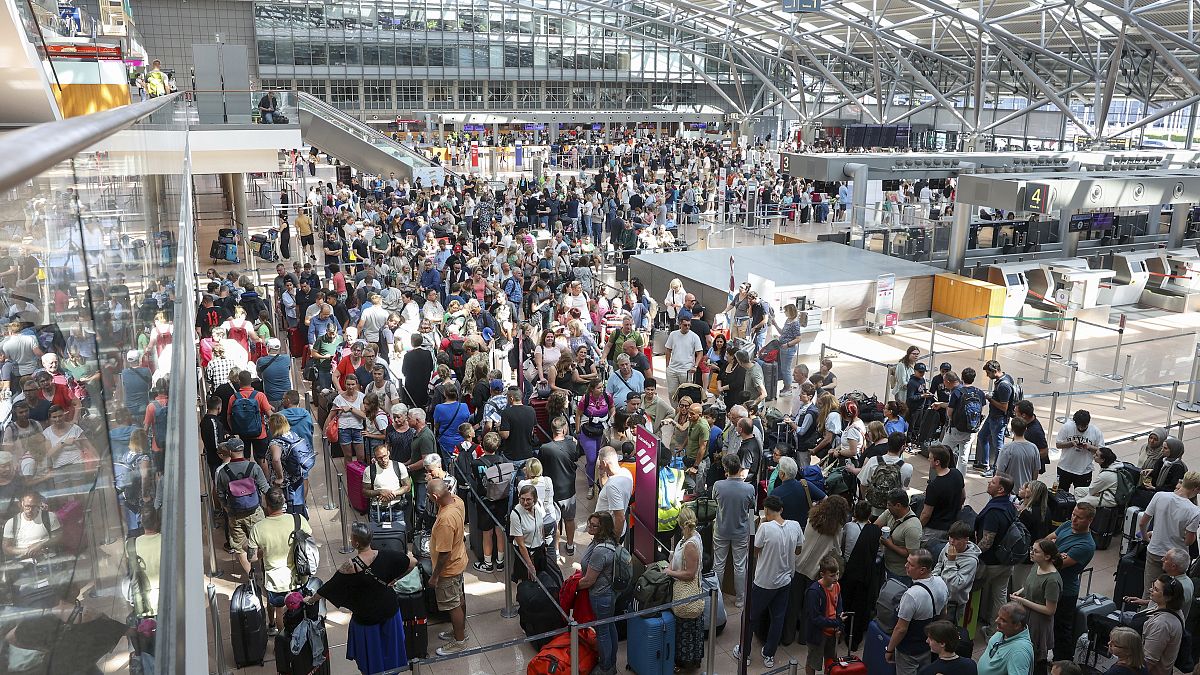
(228, 106)
(98, 450)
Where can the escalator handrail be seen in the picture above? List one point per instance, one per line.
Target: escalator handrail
(63, 139)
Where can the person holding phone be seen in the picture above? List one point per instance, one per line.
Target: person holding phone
(1079, 441)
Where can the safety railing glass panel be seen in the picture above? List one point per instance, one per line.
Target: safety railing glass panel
(88, 287)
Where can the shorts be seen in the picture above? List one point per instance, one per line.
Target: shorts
(819, 654)
(276, 599)
(239, 529)
(307, 240)
(449, 592)
(497, 509)
(348, 436)
(567, 507)
(258, 447)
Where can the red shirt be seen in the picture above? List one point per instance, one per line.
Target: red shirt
(346, 367)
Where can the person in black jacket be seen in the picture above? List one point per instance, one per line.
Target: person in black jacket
(417, 367)
(821, 629)
(1168, 469)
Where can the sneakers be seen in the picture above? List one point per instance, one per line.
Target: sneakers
(452, 647)
(272, 631)
(485, 567)
(768, 662)
(570, 550)
(446, 636)
(988, 473)
(737, 654)
(739, 603)
(499, 565)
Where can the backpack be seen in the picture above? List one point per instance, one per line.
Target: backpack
(458, 354)
(243, 492)
(812, 474)
(159, 431)
(306, 557)
(885, 478)
(1128, 480)
(244, 415)
(395, 469)
(238, 333)
(968, 414)
(770, 351)
(653, 587)
(1017, 394)
(1013, 547)
(128, 479)
(297, 457)
(497, 480)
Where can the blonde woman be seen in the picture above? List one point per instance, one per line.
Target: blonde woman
(673, 302)
(829, 425)
(545, 497)
(685, 567)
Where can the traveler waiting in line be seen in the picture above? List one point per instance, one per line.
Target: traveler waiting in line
(1163, 631)
(449, 560)
(919, 606)
(598, 563)
(824, 615)
(905, 535)
(1175, 565)
(999, 403)
(776, 543)
(1009, 651)
(685, 568)
(1079, 440)
(991, 525)
(1039, 594)
(241, 502)
(1076, 548)
(617, 492)
(1019, 458)
(1174, 516)
(943, 638)
(957, 565)
(271, 537)
(735, 500)
(1168, 469)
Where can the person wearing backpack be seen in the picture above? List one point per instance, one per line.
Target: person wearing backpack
(274, 543)
(964, 410)
(604, 577)
(239, 486)
(1109, 489)
(292, 458)
(246, 417)
(991, 525)
(493, 536)
(1076, 548)
(1001, 404)
(883, 474)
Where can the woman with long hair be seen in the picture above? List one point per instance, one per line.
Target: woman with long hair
(363, 585)
(901, 372)
(685, 568)
(824, 378)
(1034, 510)
(822, 534)
(595, 412)
(894, 413)
(1039, 595)
(283, 443)
(829, 424)
(854, 434)
(673, 302)
(599, 564)
(789, 341)
(716, 360)
(545, 358)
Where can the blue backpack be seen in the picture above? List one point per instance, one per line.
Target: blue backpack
(297, 457)
(244, 416)
(812, 474)
(968, 414)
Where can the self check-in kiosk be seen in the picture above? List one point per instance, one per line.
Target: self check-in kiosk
(1066, 288)
(1012, 276)
(1174, 282)
(1130, 275)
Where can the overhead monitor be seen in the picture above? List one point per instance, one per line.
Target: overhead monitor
(1104, 220)
(1080, 222)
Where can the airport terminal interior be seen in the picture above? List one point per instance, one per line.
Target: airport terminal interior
(569, 336)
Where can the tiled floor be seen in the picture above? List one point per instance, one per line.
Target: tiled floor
(1160, 347)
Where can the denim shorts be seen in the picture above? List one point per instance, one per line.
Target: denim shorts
(276, 599)
(348, 436)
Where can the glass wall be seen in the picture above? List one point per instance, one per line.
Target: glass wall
(92, 435)
(485, 47)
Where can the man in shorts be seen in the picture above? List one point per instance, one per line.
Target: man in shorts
(240, 521)
(271, 536)
(449, 560)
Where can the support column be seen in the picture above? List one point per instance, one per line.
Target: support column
(151, 204)
(1070, 240)
(554, 132)
(658, 130)
(1179, 217)
(237, 200)
(857, 173)
(959, 231)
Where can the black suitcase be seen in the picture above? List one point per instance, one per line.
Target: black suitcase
(390, 536)
(259, 238)
(217, 252)
(539, 613)
(771, 380)
(1062, 503)
(301, 664)
(248, 626)
(622, 272)
(431, 607)
(227, 233)
(1106, 523)
(1131, 570)
(416, 624)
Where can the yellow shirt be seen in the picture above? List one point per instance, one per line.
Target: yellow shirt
(304, 224)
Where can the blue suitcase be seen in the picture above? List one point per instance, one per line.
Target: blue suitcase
(231, 253)
(874, 645)
(651, 644)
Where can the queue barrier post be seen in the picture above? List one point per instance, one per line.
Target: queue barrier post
(1070, 392)
(327, 459)
(1117, 357)
(1191, 404)
(574, 647)
(1174, 399)
(510, 609)
(219, 643)
(995, 349)
(1125, 382)
(1071, 345)
(342, 508)
(710, 649)
(1053, 411)
(1049, 355)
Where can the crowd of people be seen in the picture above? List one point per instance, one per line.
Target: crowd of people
(461, 347)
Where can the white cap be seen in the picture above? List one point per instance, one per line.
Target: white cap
(272, 343)
(133, 356)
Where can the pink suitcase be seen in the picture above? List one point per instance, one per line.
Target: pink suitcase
(354, 485)
(70, 516)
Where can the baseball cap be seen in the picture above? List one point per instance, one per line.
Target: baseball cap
(921, 367)
(235, 445)
(945, 366)
(133, 356)
(272, 343)
(496, 385)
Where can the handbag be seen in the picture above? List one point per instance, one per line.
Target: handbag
(331, 428)
(681, 590)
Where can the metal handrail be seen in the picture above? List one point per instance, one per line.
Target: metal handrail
(63, 139)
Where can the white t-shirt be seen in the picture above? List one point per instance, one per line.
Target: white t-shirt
(1077, 460)
(1173, 517)
(778, 543)
(617, 492)
(30, 532)
(349, 420)
(545, 493)
(906, 471)
(855, 432)
(683, 350)
(386, 478)
(915, 603)
(70, 456)
(522, 523)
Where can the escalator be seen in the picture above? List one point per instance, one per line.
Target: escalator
(342, 136)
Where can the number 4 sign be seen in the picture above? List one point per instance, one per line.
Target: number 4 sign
(1037, 198)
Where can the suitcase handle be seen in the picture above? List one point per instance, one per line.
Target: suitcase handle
(849, 634)
(1090, 572)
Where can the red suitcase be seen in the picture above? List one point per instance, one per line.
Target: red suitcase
(354, 485)
(848, 664)
(297, 342)
(70, 516)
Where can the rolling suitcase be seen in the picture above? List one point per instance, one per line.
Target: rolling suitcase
(227, 234)
(1129, 528)
(231, 253)
(248, 626)
(392, 536)
(217, 251)
(1062, 503)
(265, 251)
(849, 664)
(72, 537)
(431, 607)
(302, 663)
(1131, 569)
(416, 623)
(707, 583)
(770, 379)
(875, 643)
(537, 611)
(1104, 525)
(354, 485)
(651, 646)
(1088, 605)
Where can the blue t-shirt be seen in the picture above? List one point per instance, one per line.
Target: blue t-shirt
(276, 374)
(447, 417)
(1080, 548)
(1002, 392)
(136, 384)
(714, 436)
